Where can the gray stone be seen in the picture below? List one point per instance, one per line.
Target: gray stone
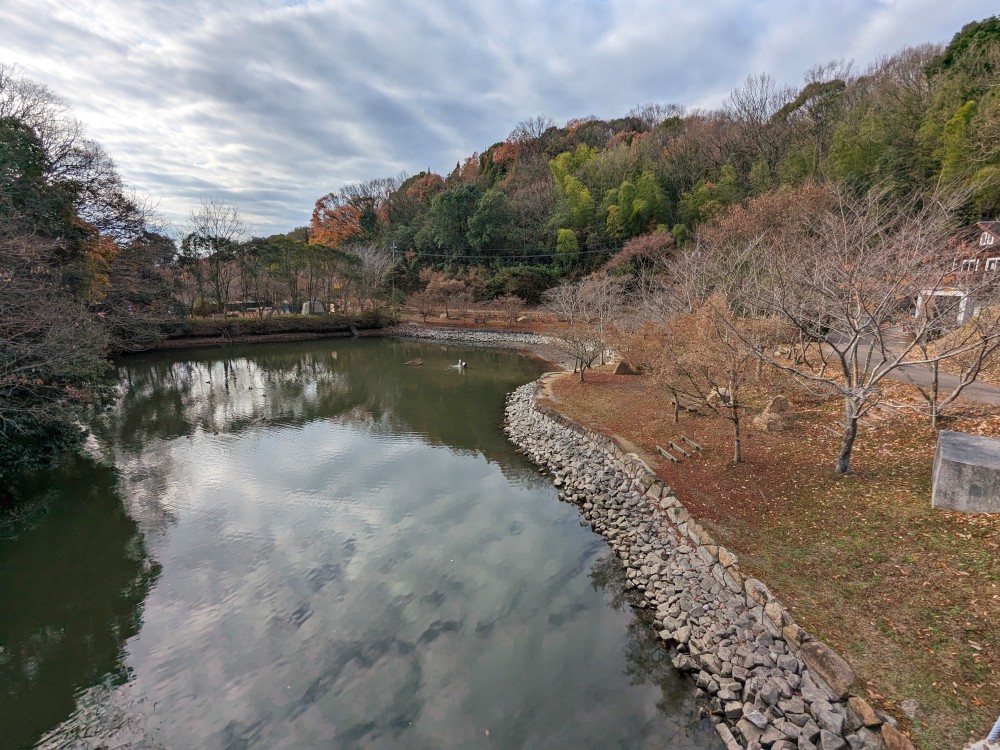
(809, 730)
(726, 558)
(752, 714)
(750, 731)
(832, 722)
(757, 592)
(798, 719)
(711, 663)
(793, 705)
(788, 663)
(769, 693)
(734, 580)
(685, 663)
(773, 611)
(794, 634)
(830, 741)
(772, 735)
(784, 686)
(828, 665)
(733, 710)
(727, 737)
(966, 474)
(862, 713)
(873, 741)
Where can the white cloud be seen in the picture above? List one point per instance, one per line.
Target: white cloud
(270, 105)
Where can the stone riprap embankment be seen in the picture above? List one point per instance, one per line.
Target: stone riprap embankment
(766, 682)
(464, 336)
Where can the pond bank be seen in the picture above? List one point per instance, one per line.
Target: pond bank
(536, 344)
(210, 332)
(766, 682)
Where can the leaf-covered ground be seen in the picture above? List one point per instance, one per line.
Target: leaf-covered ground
(910, 595)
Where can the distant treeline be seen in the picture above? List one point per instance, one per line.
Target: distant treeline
(568, 197)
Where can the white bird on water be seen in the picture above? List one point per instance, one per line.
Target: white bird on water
(461, 364)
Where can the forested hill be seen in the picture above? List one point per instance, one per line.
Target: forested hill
(917, 119)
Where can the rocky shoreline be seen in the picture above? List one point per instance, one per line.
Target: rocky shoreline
(764, 680)
(535, 344)
(465, 336)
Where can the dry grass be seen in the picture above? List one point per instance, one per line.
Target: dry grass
(910, 595)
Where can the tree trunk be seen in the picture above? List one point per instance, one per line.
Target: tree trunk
(935, 385)
(847, 441)
(677, 410)
(581, 370)
(737, 438)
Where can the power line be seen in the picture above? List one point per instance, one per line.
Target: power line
(520, 256)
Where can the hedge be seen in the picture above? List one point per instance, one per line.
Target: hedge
(240, 327)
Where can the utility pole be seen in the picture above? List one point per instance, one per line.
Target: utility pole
(393, 249)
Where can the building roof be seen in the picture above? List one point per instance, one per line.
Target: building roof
(993, 227)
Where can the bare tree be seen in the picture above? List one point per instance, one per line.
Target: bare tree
(215, 232)
(652, 114)
(510, 306)
(51, 358)
(602, 297)
(588, 307)
(847, 278)
(750, 108)
(531, 129)
(374, 263)
(704, 359)
(449, 293)
(424, 302)
(964, 349)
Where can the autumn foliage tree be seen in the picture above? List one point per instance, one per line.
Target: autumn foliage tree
(704, 360)
(333, 225)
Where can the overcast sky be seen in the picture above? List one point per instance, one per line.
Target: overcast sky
(269, 105)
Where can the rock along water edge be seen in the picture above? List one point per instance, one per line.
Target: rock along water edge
(764, 680)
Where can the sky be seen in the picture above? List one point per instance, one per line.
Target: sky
(268, 105)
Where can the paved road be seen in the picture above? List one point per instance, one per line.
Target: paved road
(984, 393)
(922, 375)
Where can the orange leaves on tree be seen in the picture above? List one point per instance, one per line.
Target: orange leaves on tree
(332, 225)
(425, 187)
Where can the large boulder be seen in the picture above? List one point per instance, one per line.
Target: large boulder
(894, 739)
(778, 405)
(770, 422)
(772, 419)
(828, 665)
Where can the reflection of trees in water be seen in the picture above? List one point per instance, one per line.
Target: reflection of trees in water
(71, 594)
(648, 662)
(167, 395)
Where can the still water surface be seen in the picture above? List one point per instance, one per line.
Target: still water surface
(311, 545)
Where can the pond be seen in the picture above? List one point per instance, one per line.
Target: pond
(313, 545)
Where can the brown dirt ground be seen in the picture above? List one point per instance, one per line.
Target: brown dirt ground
(910, 595)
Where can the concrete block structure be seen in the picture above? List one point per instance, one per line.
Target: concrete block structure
(966, 474)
